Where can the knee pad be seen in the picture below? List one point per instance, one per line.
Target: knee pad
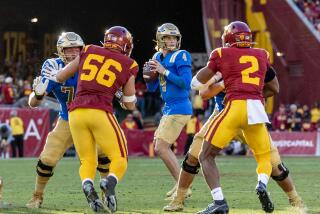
(44, 170)
(284, 173)
(103, 164)
(188, 168)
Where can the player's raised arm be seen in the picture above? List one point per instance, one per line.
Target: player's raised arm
(63, 74)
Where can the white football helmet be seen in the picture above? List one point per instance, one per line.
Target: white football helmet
(68, 40)
(167, 29)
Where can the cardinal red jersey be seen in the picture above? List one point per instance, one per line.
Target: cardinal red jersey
(243, 71)
(101, 73)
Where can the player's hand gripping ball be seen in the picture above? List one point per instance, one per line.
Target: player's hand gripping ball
(148, 74)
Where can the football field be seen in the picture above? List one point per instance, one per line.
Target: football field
(147, 180)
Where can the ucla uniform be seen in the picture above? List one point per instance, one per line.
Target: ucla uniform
(174, 90)
(63, 92)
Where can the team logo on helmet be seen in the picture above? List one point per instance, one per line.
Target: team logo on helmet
(68, 40)
(237, 34)
(167, 29)
(120, 39)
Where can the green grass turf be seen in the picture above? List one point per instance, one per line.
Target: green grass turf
(147, 180)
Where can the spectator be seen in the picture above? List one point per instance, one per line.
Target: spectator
(137, 117)
(7, 91)
(16, 125)
(129, 123)
(306, 125)
(140, 92)
(315, 115)
(280, 119)
(5, 140)
(197, 105)
(294, 119)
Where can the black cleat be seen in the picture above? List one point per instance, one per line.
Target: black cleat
(217, 207)
(92, 197)
(264, 198)
(107, 185)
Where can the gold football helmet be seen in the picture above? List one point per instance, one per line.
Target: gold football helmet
(68, 40)
(167, 29)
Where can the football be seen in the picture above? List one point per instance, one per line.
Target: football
(149, 75)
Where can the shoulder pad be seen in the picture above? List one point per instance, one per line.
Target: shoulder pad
(155, 55)
(174, 56)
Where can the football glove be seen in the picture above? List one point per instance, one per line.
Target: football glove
(50, 73)
(40, 87)
(119, 95)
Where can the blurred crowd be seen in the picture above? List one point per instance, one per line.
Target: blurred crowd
(311, 9)
(296, 117)
(16, 79)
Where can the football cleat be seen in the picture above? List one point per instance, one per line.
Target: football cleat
(36, 201)
(187, 195)
(110, 199)
(217, 207)
(264, 198)
(92, 197)
(174, 206)
(172, 191)
(298, 203)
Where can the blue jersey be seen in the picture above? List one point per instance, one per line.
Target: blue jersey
(64, 92)
(175, 87)
(219, 101)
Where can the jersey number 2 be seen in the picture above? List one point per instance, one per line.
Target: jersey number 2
(103, 72)
(253, 68)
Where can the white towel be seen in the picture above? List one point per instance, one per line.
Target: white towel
(256, 112)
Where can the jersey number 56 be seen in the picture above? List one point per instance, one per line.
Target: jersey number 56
(103, 75)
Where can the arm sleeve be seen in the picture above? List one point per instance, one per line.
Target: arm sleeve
(184, 78)
(270, 74)
(183, 65)
(152, 86)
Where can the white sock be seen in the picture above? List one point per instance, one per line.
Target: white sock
(87, 179)
(7, 155)
(264, 178)
(217, 194)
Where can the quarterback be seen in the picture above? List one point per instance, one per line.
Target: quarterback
(174, 68)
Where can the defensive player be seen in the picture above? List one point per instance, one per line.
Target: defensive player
(190, 166)
(102, 72)
(243, 69)
(174, 68)
(59, 139)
